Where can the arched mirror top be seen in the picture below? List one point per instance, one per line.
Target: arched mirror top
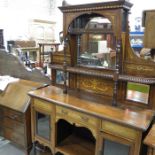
(95, 41)
(90, 21)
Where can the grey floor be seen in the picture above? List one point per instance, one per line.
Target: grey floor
(11, 149)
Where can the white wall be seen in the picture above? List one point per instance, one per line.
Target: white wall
(137, 9)
(15, 14)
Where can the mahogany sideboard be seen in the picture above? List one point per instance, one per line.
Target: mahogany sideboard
(104, 103)
(75, 125)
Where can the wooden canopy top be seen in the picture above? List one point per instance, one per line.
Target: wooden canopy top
(97, 6)
(15, 96)
(136, 119)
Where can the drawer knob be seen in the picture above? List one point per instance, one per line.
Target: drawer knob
(64, 112)
(13, 116)
(85, 118)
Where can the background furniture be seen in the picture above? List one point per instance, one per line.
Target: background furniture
(15, 113)
(1, 39)
(12, 65)
(149, 23)
(27, 51)
(45, 51)
(150, 141)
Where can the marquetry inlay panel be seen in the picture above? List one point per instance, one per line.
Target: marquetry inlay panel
(140, 69)
(97, 85)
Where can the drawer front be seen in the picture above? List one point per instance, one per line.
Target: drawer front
(77, 116)
(14, 137)
(119, 130)
(14, 125)
(43, 105)
(14, 115)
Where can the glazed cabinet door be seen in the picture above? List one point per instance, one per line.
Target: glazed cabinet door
(112, 145)
(116, 139)
(43, 123)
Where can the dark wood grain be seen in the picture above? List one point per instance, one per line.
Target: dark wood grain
(140, 119)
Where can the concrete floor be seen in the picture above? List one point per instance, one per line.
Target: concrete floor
(11, 149)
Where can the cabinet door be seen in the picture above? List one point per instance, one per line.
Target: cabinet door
(112, 145)
(43, 125)
(42, 119)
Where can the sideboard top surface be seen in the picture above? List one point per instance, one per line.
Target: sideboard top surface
(136, 119)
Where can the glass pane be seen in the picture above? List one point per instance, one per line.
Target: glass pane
(97, 45)
(138, 92)
(43, 125)
(114, 148)
(95, 41)
(60, 77)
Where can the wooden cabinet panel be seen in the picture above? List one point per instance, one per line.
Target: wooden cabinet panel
(14, 115)
(14, 125)
(43, 105)
(119, 130)
(42, 119)
(77, 116)
(14, 137)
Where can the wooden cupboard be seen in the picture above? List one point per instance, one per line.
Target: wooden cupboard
(15, 113)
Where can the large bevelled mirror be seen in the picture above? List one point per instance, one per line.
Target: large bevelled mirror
(95, 41)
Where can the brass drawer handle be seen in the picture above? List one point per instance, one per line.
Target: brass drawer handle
(84, 118)
(13, 116)
(64, 112)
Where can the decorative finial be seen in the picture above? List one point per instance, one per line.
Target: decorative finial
(64, 3)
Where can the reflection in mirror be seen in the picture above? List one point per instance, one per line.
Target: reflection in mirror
(138, 92)
(97, 48)
(43, 125)
(95, 41)
(60, 77)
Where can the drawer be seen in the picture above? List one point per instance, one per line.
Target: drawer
(14, 137)
(43, 105)
(14, 115)
(119, 130)
(14, 125)
(77, 116)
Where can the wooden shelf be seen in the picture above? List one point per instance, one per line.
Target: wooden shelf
(74, 145)
(121, 77)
